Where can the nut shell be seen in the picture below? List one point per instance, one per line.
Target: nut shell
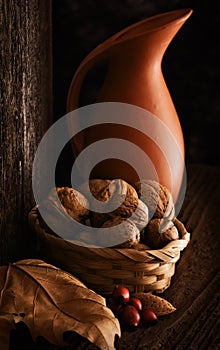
(97, 188)
(116, 194)
(155, 303)
(157, 233)
(123, 233)
(140, 215)
(75, 203)
(157, 198)
(61, 209)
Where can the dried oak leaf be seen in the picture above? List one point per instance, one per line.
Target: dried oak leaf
(50, 302)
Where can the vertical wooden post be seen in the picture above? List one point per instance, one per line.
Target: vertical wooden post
(26, 113)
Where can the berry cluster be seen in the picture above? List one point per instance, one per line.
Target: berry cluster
(129, 310)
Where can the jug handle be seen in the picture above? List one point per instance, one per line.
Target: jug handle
(94, 57)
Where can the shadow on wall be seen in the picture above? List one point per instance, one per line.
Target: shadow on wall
(190, 65)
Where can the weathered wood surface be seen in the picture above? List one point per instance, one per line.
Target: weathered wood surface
(195, 287)
(26, 100)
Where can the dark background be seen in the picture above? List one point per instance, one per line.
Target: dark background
(190, 65)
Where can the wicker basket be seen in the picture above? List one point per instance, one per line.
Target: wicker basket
(103, 268)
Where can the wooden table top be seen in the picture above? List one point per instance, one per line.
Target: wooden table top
(195, 287)
(194, 290)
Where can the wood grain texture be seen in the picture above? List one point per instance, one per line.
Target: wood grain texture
(26, 100)
(194, 289)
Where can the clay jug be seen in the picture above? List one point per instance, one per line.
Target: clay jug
(135, 77)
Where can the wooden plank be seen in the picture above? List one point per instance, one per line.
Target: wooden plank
(26, 112)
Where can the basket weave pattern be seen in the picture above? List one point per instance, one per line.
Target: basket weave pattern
(103, 268)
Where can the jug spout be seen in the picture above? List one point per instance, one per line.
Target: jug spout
(150, 37)
(134, 72)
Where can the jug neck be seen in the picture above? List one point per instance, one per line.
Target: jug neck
(149, 38)
(154, 34)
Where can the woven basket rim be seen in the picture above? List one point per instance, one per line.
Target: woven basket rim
(169, 253)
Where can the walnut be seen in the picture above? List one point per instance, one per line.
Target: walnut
(180, 227)
(96, 187)
(70, 204)
(116, 194)
(157, 198)
(75, 203)
(124, 236)
(159, 232)
(140, 215)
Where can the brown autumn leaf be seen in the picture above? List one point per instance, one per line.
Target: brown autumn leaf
(50, 302)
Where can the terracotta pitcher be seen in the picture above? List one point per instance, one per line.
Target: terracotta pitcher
(134, 76)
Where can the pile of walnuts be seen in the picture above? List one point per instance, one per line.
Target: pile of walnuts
(140, 216)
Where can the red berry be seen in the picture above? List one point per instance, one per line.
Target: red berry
(129, 317)
(114, 306)
(121, 294)
(136, 303)
(148, 317)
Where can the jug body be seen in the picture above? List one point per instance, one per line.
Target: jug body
(135, 77)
